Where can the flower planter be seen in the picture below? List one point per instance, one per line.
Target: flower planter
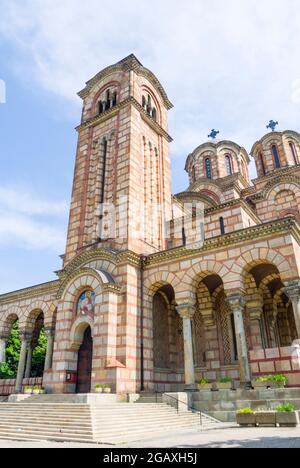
(28, 391)
(287, 419)
(267, 384)
(246, 419)
(206, 387)
(98, 390)
(267, 419)
(224, 386)
(36, 392)
(42, 392)
(107, 390)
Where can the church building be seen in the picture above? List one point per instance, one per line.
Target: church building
(141, 302)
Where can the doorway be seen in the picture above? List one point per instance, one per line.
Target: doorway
(84, 366)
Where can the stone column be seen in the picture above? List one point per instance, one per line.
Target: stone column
(50, 345)
(29, 361)
(293, 292)
(25, 341)
(237, 304)
(186, 312)
(3, 349)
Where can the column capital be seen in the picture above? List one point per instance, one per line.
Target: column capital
(49, 332)
(236, 301)
(25, 337)
(186, 310)
(292, 290)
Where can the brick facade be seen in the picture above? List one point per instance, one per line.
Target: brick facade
(140, 275)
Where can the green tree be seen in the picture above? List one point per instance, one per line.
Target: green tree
(9, 369)
(38, 356)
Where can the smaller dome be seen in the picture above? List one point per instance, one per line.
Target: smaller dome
(216, 160)
(276, 150)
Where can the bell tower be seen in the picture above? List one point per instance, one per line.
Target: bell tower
(121, 196)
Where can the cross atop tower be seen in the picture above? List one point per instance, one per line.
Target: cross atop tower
(213, 134)
(272, 125)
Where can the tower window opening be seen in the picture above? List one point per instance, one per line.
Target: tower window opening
(114, 99)
(222, 226)
(154, 114)
(263, 168)
(144, 102)
(228, 165)
(100, 107)
(276, 157)
(107, 99)
(208, 168)
(294, 153)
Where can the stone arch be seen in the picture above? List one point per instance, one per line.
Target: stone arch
(158, 279)
(77, 331)
(260, 256)
(32, 312)
(107, 261)
(85, 277)
(281, 183)
(197, 272)
(9, 318)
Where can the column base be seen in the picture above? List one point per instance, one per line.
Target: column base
(191, 388)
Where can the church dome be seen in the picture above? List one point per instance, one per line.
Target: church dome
(216, 160)
(276, 150)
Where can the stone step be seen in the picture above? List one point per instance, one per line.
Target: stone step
(12, 435)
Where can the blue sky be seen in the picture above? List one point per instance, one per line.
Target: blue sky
(231, 65)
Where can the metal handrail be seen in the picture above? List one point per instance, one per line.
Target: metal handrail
(189, 407)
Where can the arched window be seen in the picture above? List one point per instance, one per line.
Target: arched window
(228, 165)
(294, 153)
(149, 105)
(100, 107)
(114, 99)
(208, 168)
(107, 99)
(154, 113)
(261, 159)
(144, 102)
(86, 303)
(276, 157)
(222, 225)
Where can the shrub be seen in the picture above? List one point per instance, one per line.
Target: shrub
(106, 386)
(98, 386)
(225, 380)
(245, 411)
(203, 382)
(286, 408)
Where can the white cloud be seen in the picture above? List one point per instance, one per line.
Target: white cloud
(23, 201)
(30, 222)
(227, 64)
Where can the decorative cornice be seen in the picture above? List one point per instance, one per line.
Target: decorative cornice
(286, 225)
(33, 291)
(98, 119)
(127, 64)
(117, 258)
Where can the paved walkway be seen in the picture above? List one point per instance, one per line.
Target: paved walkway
(220, 438)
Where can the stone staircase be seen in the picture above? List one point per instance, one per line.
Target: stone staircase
(60, 418)
(224, 403)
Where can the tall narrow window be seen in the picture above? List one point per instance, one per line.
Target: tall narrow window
(276, 157)
(144, 102)
(294, 153)
(114, 100)
(107, 99)
(100, 107)
(154, 114)
(208, 168)
(262, 164)
(228, 165)
(222, 225)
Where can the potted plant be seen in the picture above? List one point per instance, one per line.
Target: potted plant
(107, 388)
(204, 384)
(98, 388)
(42, 390)
(28, 390)
(280, 380)
(36, 390)
(286, 416)
(225, 383)
(246, 417)
(266, 418)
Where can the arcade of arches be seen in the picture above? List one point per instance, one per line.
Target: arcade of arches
(150, 304)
